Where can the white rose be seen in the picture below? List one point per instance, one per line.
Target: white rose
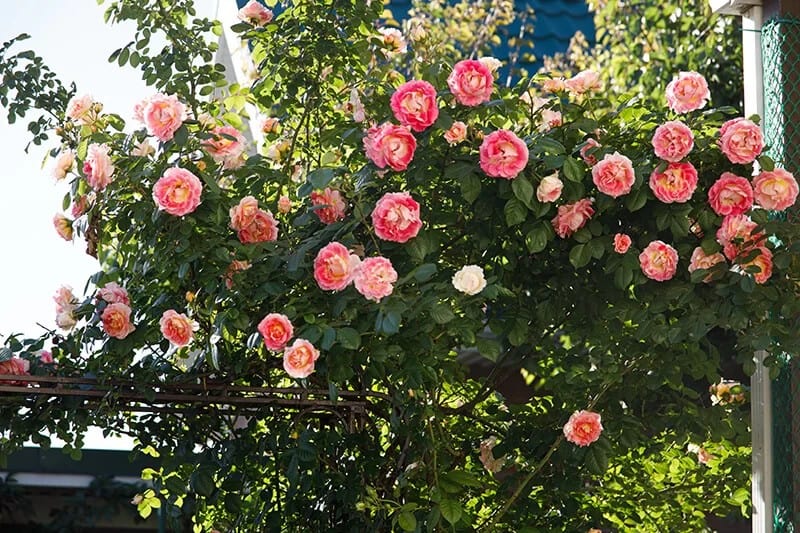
(469, 280)
(65, 319)
(492, 63)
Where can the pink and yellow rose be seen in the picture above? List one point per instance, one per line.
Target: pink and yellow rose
(263, 228)
(277, 330)
(584, 82)
(254, 13)
(614, 175)
(687, 92)
(659, 261)
(177, 328)
(675, 184)
(730, 195)
(549, 189)
(589, 151)
(775, 190)
(63, 226)
(63, 164)
(331, 205)
(741, 140)
(622, 242)
(116, 319)
(162, 116)
(226, 146)
(243, 213)
(583, 428)
(334, 267)
(299, 359)
(736, 235)
(390, 145)
(572, 217)
(112, 293)
(414, 105)
(672, 141)
(700, 260)
(97, 166)
(503, 154)
(471, 82)
(374, 278)
(456, 133)
(178, 191)
(396, 217)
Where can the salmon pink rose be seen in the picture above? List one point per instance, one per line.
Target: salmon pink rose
(584, 82)
(583, 428)
(762, 262)
(263, 228)
(299, 359)
(177, 328)
(775, 190)
(675, 184)
(390, 145)
(614, 175)
(622, 243)
(243, 213)
(254, 13)
(226, 146)
(233, 268)
(16, 366)
(331, 205)
(82, 204)
(163, 115)
(117, 320)
(687, 92)
(549, 189)
(112, 293)
(374, 278)
(503, 154)
(672, 141)
(284, 205)
(589, 150)
(177, 192)
(736, 235)
(471, 82)
(63, 164)
(456, 133)
(396, 217)
(730, 195)
(554, 85)
(572, 217)
(63, 226)
(334, 267)
(414, 105)
(741, 140)
(550, 119)
(276, 329)
(659, 261)
(703, 261)
(97, 166)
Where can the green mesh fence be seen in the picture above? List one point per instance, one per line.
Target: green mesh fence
(781, 58)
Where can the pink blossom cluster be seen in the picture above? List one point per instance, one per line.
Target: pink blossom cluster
(252, 223)
(116, 315)
(300, 357)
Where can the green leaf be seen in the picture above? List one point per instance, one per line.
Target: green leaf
(572, 169)
(470, 187)
(636, 199)
(489, 348)
(515, 212)
(181, 136)
(5, 354)
(451, 510)
(349, 338)
(407, 521)
(523, 190)
(766, 163)
(202, 482)
(580, 255)
(424, 272)
(549, 145)
(441, 313)
(463, 478)
(321, 177)
(536, 240)
(596, 460)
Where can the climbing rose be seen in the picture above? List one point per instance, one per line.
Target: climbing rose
(554, 85)
(492, 63)
(374, 278)
(163, 115)
(414, 105)
(621, 243)
(775, 190)
(549, 189)
(117, 320)
(226, 146)
(503, 154)
(583, 428)
(589, 151)
(659, 261)
(177, 192)
(687, 92)
(572, 217)
(741, 140)
(471, 82)
(672, 141)
(284, 204)
(263, 228)
(334, 209)
(63, 164)
(63, 226)
(676, 183)
(550, 119)
(112, 293)
(390, 145)
(299, 359)
(456, 133)
(614, 175)
(243, 213)
(334, 267)
(469, 280)
(396, 217)
(177, 328)
(233, 268)
(703, 261)
(584, 82)
(98, 167)
(16, 366)
(276, 329)
(254, 13)
(763, 261)
(736, 235)
(64, 298)
(393, 40)
(730, 195)
(80, 108)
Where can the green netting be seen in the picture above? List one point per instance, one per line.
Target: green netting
(781, 59)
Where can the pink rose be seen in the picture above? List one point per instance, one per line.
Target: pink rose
(589, 150)
(226, 147)
(549, 189)
(673, 141)
(393, 40)
(414, 105)
(550, 119)
(98, 167)
(456, 133)
(117, 320)
(396, 217)
(583, 428)
(63, 164)
(276, 330)
(177, 328)
(614, 175)
(763, 261)
(687, 92)
(299, 359)
(676, 183)
(736, 235)
(471, 82)
(659, 261)
(269, 125)
(81, 204)
(390, 145)
(81, 109)
(374, 278)
(503, 154)
(163, 115)
(334, 207)
(16, 366)
(177, 192)
(703, 261)
(572, 217)
(284, 204)
(554, 85)
(621, 243)
(63, 226)
(775, 190)
(334, 267)
(233, 268)
(584, 82)
(255, 14)
(46, 358)
(263, 228)
(741, 140)
(730, 195)
(64, 298)
(112, 293)
(243, 213)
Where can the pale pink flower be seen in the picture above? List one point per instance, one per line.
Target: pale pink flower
(687, 92)
(503, 154)
(396, 217)
(703, 261)
(469, 279)
(390, 145)
(736, 235)
(583, 428)
(675, 184)
(254, 13)
(143, 149)
(487, 458)
(263, 228)
(550, 119)
(81, 205)
(589, 151)
(414, 105)
(456, 133)
(730, 195)
(80, 108)
(178, 191)
(66, 319)
(393, 40)
(584, 82)
(659, 261)
(703, 456)
(117, 320)
(284, 204)
(63, 226)
(243, 213)
(226, 146)
(554, 85)
(672, 141)
(775, 190)
(334, 267)
(334, 205)
(355, 106)
(471, 82)
(277, 330)
(163, 115)
(572, 217)
(64, 298)
(622, 242)
(741, 140)
(614, 175)
(549, 189)
(97, 166)
(112, 293)
(63, 164)
(374, 278)
(177, 328)
(299, 359)
(492, 63)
